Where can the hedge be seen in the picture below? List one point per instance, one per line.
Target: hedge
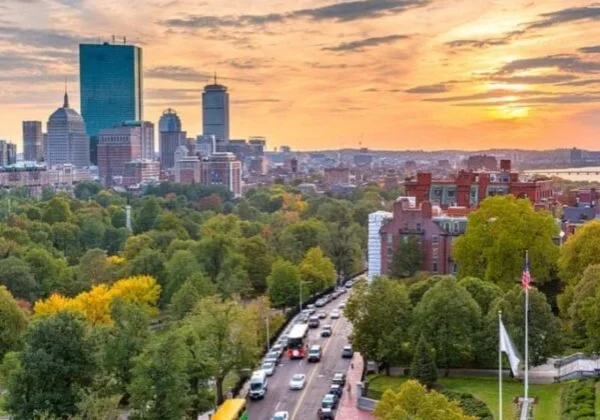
(470, 405)
(578, 400)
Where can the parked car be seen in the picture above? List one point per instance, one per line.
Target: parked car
(271, 358)
(277, 348)
(339, 379)
(311, 309)
(349, 284)
(326, 331)
(335, 314)
(314, 354)
(281, 415)
(347, 352)
(268, 368)
(322, 315)
(258, 385)
(298, 381)
(320, 303)
(342, 305)
(336, 390)
(331, 399)
(276, 354)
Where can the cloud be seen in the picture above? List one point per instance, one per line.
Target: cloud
(437, 88)
(40, 38)
(492, 94)
(177, 73)
(370, 90)
(590, 50)
(484, 43)
(585, 82)
(565, 62)
(338, 12)
(362, 44)
(535, 79)
(247, 63)
(254, 101)
(573, 14)
(316, 65)
(567, 99)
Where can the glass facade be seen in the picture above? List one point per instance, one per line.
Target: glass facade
(215, 112)
(111, 85)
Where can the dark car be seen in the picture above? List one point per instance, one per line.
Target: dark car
(313, 322)
(314, 354)
(322, 315)
(326, 331)
(339, 379)
(336, 390)
(347, 352)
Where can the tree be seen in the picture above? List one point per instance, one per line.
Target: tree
(483, 292)
(114, 239)
(418, 289)
(178, 269)
(412, 401)
(227, 334)
(57, 210)
(65, 238)
(296, 239)
(91, 269)
(423, 366)
(119, 219)
(497, 236)
(343, 246)
(147, 215)
(160, 383)
(580, 251)
(148, 262)
(52, 274)
(13, 323)
(283, 284)
(449, 318)
(92, 230)
(125, 342)
(317, 271)
(136, 244)
(57, 363)
(86, 189)
(408, 258)
(16, 275)
(380, 316)
(196, 287)
(258, 261)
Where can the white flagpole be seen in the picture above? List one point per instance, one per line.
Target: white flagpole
(527, 333)
(500, 365)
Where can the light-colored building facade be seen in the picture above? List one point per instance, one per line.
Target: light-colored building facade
(33, 141)
(220, 169)
(67, 139)
(376, 221)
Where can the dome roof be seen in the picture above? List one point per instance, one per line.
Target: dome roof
(65, 113)
(169, 122)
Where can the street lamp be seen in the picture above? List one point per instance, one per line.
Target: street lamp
(561, 235)
(268, 335)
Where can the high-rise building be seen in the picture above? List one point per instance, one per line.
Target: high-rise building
(111, 87)
(33, 141)
(170, 138)
(215, 113)
(8, 153)
(67, 140)
(122, 144)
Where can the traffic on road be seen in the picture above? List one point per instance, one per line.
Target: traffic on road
(303, 375)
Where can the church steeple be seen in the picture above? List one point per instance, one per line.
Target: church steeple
(66, 102)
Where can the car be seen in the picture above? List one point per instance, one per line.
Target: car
(342, 305)
(320, 303)
(283, 341)
(322, 315)
(339, 379)
(342, 290)
(336, 390)
(335, 314)
(268, 368)
(303, 318)
(349, 285)
(313, 322)
(326, 331)
(297, 382)
(258, 385)
(271, 358)
(278, 348)
(311, 309)
(347, 352)
(314, 354)
(274, 354)
(330, 400)
(281, 415)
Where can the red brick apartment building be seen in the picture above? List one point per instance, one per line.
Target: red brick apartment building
(468, 188)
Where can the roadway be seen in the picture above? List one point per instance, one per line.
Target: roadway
(303, 405)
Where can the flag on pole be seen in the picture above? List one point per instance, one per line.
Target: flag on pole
(507, 346)
(526, 277)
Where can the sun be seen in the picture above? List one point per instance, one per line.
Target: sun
(511, 112)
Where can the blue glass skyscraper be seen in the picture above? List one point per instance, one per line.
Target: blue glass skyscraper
(215, 113)
(111, 87)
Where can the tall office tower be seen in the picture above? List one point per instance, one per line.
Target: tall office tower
(33, 141)
(146, 137)
(215, 113)
(111, 87)
(67, 140)
(8, 153)
(170, 138)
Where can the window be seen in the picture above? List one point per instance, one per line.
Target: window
(434, 239)
(389, 238)
(418, 227)
(389, 250)
(434, 267)
(405, 225)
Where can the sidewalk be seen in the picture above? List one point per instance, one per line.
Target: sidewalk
(348, 409)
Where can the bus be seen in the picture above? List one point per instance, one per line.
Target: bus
(296, 341)
(233, 409)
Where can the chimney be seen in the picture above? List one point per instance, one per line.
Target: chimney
(505, 165)
(426, 210)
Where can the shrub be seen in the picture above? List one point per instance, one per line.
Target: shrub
(470, 405)
(577, 401)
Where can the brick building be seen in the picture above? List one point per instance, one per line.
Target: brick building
(468, 188)
(222, 168)
(139, 171)
(337, 175)
(435, 228)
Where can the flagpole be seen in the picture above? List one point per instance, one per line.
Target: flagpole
(527, 335)
(500, 364)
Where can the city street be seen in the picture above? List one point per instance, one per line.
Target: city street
(304, 404)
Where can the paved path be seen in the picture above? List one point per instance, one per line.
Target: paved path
(348, 409)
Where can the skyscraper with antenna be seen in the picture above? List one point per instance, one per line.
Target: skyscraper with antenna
(215, 112)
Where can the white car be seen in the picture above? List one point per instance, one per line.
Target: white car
(298, 381)
(268, 368)
(335, 314)
(281, 415)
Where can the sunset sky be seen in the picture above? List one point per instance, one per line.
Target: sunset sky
(315, 74)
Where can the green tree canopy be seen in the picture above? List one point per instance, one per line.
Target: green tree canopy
(580, 251)
(284, 285)
(196, 287)
(178, 269)
(13, 323)
(16, 275)
(423, 366)
(497, 236)
(57, 210)
(380, 313)
(407, 258)
(449, 318)
(482, 291)
(147, 215)
(57, 363)
(317, 271)
(258, 261)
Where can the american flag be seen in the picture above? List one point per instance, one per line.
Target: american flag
(526, 277)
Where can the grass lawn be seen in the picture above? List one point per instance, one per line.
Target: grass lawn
(597, 400)
(486, 389)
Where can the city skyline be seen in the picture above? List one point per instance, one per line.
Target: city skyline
(394, 74)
